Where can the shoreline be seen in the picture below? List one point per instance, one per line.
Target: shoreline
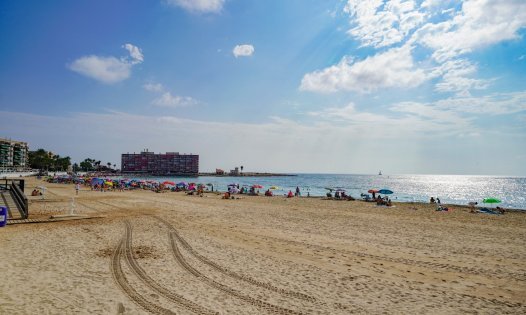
(393, 200)
(249, 174)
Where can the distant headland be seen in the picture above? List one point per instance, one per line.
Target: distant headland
(245, 174)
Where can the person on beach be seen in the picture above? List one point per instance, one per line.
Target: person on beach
(298, 191)
(438, 200)
(268, 193)
(432, 200)
(77, 187)
(290, 195)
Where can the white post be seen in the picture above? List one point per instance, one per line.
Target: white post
(72, 207)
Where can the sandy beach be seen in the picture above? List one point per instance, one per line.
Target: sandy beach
(168, 252)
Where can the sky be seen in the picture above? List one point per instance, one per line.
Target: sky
(295, 86)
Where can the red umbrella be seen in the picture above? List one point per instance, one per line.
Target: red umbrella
(372, 191)
(257, 186)
(168, 183)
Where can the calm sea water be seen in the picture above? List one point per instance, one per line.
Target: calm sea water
(451, 189)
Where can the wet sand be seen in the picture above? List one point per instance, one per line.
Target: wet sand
(168, 252)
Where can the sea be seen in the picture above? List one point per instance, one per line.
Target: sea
(451, 189)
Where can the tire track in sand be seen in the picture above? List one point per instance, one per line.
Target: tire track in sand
(139, 272)
(120, 278)
(232, 274)
(258, 303)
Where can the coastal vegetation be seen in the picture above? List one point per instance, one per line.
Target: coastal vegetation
(49, 161)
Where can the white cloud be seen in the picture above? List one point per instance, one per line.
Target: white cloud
(432, 113)
(108, 69)
(169, 100)
(451, 109)
(417, 120)
(455, 78)
(166, 98)
(434, 4)
(199, 6)
(493, 104)
(377, 23)
(480, 23)
(153, 87)
(135, 54)
(448, 29)
(243, 50)
(104, 69)
(393, 68)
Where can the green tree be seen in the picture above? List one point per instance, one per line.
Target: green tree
(62, 163)
(43, 160)
(88, 165)
(39, 159)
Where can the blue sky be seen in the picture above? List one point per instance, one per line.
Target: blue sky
(288, 86)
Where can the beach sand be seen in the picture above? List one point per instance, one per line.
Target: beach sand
(161, 252)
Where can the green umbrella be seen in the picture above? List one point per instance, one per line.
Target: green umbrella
(491, 200)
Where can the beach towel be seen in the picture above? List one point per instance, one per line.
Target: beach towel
(488, 211)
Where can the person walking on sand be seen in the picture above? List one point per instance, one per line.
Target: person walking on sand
(77, 187)
(298, 191)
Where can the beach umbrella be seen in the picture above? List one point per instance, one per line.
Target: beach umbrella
(257, 186)
(329, 189)
(168, 183)
(340, 189)
(385, 191)
(372, 191)
(491, 200)
(274, 187)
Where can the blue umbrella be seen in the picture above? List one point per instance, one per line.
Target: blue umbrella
(97, 181)
(385, 191)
